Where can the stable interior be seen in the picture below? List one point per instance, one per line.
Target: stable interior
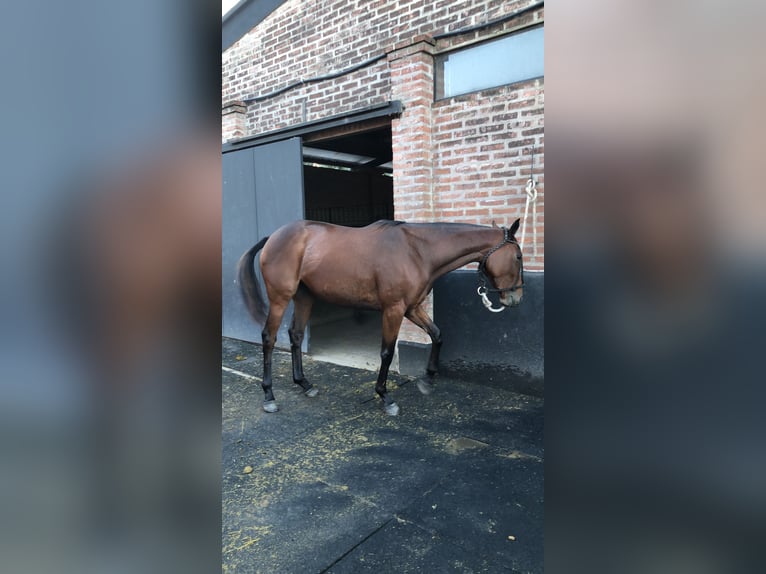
(347, 180)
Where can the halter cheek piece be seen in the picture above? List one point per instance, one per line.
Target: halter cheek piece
(483, 277)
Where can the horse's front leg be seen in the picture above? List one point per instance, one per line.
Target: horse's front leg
(392, 321)
(420, 317)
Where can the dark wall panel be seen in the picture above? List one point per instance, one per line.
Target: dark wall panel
(262, 190)
(505, 349)
(239, 232)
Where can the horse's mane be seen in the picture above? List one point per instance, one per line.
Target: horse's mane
(388, 223)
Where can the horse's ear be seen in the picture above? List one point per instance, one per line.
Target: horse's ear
(515, 227)
(494, 224)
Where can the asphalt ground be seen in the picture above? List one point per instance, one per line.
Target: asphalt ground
(454, 483)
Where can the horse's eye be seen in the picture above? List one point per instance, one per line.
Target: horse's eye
(518, 257)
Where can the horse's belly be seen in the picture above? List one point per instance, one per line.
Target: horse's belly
(347, 292)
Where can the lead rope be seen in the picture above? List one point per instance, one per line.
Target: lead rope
(531, 189)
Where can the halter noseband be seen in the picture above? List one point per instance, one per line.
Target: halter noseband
(483, 277)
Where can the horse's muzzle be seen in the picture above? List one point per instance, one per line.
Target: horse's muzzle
(511, 298)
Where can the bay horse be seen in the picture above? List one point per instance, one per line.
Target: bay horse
(389, 266)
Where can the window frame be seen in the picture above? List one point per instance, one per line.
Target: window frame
(439, 70)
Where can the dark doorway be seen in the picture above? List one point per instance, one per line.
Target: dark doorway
(348, 181)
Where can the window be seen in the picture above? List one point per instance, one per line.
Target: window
(507, 60)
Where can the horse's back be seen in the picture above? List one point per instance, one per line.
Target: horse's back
(367, 243)
(318, 241)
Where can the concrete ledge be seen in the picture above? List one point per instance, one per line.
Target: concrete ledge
(413, 358)
(234, 107)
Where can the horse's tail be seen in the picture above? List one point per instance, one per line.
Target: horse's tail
(248, 283)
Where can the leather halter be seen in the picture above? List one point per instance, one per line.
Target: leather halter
(483, 277)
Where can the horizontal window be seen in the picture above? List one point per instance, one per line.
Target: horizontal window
(507, 60)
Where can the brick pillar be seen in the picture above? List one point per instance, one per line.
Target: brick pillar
(233, 121)
(411, 65)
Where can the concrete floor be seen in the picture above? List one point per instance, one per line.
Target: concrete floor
(453, 484)
(344, 338)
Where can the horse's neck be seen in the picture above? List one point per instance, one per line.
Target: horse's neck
(451, 248)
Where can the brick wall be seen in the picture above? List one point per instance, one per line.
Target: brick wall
(308, 38)
(465, 158)
(483, 148)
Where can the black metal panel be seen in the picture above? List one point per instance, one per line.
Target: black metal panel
(245, 16)
(262, 190)
(239, 232)
(505, 349)
(388, 109)
(513, 338)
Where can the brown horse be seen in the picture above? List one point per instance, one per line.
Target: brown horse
(388, 265)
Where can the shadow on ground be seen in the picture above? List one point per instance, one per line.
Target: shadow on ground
(453, 484)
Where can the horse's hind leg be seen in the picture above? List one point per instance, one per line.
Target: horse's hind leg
(420, 317)
(392, 321)
(303, 300)
(269, 338)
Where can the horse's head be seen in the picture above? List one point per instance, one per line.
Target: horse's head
(504, 268)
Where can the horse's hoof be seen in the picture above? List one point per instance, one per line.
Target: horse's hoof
(312, 392)
(270, 406)
(425, 387)
(391, 409)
